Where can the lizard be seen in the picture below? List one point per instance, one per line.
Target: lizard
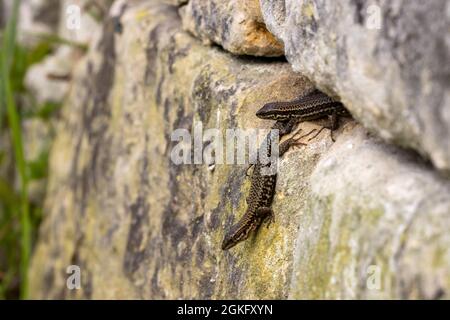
(262, 190)
(313, 106)
(310, 107)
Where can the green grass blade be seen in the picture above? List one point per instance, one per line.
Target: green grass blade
(9, 39)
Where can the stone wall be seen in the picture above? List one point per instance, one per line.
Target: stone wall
(360, 217)
(386, 60)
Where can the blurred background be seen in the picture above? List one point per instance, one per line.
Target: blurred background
(37, 56)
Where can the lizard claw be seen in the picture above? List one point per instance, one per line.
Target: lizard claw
(295, 140)
(332, 136)
(318, 132)
(270, 219)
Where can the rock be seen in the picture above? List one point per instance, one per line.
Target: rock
(375, 225)
(354, 219)
(388, 63)
(48, 80)
(235, 25)
(117, 203)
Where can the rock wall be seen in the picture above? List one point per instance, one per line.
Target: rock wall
(386, 60)
(235, 25)
(355, 218)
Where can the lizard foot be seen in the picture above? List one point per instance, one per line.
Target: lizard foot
(295, 140)
(268, 214)
(321, 129)
(318, 132)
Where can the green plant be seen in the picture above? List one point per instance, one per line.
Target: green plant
(19, 215)
(9, 39)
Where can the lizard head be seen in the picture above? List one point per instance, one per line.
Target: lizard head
(272, 112)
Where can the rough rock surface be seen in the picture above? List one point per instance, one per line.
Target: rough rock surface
(235, 25)
(354, 218)
(375, 226)
(387, 61)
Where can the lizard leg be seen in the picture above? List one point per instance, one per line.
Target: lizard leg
(305, 135)
(267, 214)
(283, 127)
(318, 132)
(334, 121)
(291, 142)
(332, 125)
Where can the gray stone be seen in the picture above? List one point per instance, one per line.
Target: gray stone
(395, 79)
(375, 225)
(235, 25)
